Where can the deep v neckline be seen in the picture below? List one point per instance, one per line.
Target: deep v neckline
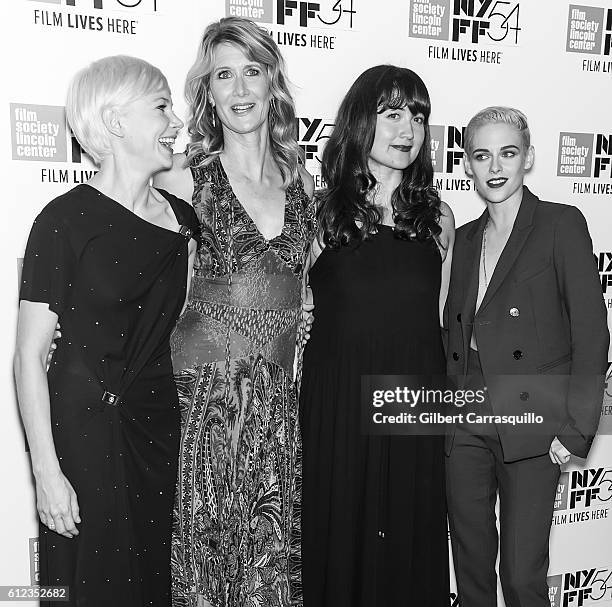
(235, 201)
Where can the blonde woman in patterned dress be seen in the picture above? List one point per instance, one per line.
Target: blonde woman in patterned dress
(236, 538)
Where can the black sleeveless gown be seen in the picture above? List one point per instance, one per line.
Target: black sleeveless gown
(373, 513)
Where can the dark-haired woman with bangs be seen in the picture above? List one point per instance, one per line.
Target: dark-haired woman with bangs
(373, 507)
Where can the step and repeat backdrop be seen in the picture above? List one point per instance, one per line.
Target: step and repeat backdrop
(550, 58)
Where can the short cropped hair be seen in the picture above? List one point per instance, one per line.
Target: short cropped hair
(109, 82)
(497, 114)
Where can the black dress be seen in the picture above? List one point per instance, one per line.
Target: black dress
(117, 283)
(373, 508)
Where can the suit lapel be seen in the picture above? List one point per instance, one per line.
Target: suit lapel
(471, 264)
(520, 231)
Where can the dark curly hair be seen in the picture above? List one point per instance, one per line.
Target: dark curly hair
(345, 213)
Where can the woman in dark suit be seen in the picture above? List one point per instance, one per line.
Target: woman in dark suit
(527, 322)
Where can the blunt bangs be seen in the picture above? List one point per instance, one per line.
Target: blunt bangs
(403, 90)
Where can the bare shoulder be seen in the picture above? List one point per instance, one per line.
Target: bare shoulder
(447, 223)
(177, 180)
(307, 180)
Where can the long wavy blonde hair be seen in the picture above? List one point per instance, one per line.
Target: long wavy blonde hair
(257, 45)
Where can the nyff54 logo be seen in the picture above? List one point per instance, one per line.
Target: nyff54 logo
(578, 588)
(446, 147)
(604, 267)
(312, 135)
(302, 13)
(473, 21)
(584, 488)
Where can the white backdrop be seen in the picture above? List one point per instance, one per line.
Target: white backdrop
(550, 58)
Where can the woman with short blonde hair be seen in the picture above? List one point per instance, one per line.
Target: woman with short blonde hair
(110, 260)
(527, 324)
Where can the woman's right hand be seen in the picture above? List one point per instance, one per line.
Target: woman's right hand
(57, 504)
(307, 314)
(56, 500)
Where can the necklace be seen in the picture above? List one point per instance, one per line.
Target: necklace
(484, 254)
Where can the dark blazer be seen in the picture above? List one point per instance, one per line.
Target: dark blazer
(542, 320)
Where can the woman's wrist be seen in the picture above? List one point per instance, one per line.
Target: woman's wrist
(45, 467)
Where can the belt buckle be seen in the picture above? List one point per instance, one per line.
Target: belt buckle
(185, 231)
(109, 398)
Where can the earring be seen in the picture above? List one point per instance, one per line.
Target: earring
(213, 117)
(273, 112)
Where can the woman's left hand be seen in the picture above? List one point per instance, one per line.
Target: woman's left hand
(558, 453)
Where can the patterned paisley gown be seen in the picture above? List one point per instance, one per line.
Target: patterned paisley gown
(236, 540)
